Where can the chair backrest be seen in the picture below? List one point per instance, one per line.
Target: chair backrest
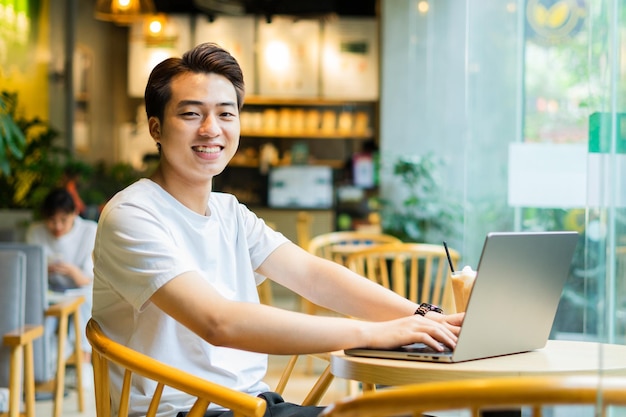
(304, 221)
(325, 245)
(417, 271)
(534, 392)
(106, 352)
(13, 285)
(36, 303)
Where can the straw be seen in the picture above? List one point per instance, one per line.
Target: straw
(445, 245)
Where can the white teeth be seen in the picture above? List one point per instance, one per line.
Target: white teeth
(207, 149)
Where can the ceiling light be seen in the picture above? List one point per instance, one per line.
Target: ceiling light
(158, 30)
(123, 12)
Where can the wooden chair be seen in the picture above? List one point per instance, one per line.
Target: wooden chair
(16, 336)
(314, 396)
(51, 354)
(325, 246)
(304, 221)
(106, 352)
(476, 395)
(417, 271)
(336, 246)
(265, 289)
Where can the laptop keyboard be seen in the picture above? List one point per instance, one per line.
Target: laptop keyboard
(422, 348)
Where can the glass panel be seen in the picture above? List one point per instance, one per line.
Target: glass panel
(531, 125)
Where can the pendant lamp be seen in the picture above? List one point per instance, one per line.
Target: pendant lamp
(124, 12)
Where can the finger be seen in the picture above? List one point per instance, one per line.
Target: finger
(455, 319)
(438, 333)
(436, 339)
(434, 322)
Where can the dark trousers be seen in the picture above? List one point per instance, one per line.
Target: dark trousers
(276, 407)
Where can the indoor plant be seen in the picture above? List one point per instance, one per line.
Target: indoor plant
(425, 214)
(32, 162)
(12, 139)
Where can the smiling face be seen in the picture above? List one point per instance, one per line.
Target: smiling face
(199, 133)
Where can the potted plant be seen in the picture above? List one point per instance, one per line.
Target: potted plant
(32, 163)
(424, 214)
(12, 139)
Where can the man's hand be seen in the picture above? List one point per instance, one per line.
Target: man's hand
(451, 321)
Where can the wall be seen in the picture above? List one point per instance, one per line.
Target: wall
(72, 22)
(110, 105)
(23, 66)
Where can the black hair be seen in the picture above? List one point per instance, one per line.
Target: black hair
(204, 58)
(57, 200)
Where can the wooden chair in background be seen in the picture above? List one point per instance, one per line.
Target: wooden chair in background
(52, 353)
(336, 246)
(266, 295)
(16, 354)
(106, 352)
(476, 395)
(326, 245)
(417, 271)
(304, 224)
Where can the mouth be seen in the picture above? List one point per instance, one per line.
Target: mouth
(213, 149)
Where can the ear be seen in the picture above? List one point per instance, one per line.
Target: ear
(154, 126)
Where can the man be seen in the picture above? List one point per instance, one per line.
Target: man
(68, 241)
(176, 266)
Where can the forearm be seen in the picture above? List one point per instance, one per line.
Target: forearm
(367, 299)
(79, 277)
(266, 329)
(333, 286)
(194, 303)
(75, 273)
(252, 326)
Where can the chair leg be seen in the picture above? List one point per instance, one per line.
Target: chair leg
(29, 380)
(321, 386)
(15, 369)
(59, 379)
(282, 383)
(78, 362)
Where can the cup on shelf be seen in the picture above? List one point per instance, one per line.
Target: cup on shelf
(297, 121)
(361, 123)
(285, 121)
(270, 120)
(345, 124)
(329, 122)
(312, 121)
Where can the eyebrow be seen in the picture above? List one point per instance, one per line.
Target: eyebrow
(201, 103)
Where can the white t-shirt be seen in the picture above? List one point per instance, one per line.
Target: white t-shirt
(145, 238)
(74, 247)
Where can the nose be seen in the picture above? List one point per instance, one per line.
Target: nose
(210, 126)
(57, 228)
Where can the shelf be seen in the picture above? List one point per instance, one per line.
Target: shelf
(299, 101)
(308, 118)
(309, 135)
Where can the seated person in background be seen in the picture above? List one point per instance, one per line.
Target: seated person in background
(68, 242)
(177, 266)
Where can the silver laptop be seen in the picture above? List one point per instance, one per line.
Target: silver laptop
(519, 281)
